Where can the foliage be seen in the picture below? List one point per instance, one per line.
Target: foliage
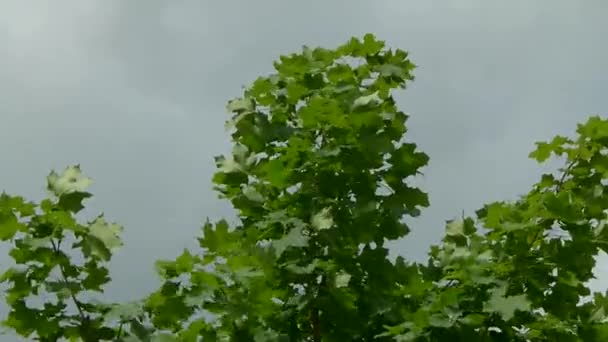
(319, 177)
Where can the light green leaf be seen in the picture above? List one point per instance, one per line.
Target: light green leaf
(598, 190)
(506, 306)
(124, 312)
(251, 193)
(295, 238)
(597, 231)
(440, 320)
(242, 155)
(342, 279)
(228, 165)
(265, 335)
(307, 269)
(35, 243)
(240, 105)
(239, 161)
(164, 337)
(599, 315)
(323, 219)
(107, 233)
(388, 70)
(455, 228)
(368, 100)
(71, 180)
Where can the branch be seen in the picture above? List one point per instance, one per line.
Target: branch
(558, 187)
(567, 170)
(316, 324)
(83, 316)
(315, 318)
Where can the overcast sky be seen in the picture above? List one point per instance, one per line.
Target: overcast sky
(135, 92)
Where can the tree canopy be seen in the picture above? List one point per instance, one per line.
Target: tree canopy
(321, 178)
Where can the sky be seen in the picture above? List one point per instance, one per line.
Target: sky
(135, 92)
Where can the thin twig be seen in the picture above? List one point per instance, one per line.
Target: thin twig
(567, 170)
(66, 283)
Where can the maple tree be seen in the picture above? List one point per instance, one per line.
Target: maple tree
(319, 177)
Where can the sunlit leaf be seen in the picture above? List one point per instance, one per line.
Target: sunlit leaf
(70, 180)
(323, 219)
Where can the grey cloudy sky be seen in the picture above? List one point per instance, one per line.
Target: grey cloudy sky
(135, 91)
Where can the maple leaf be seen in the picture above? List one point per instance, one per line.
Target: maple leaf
(373, 99)
(506, 306)
(104, 237)
(455, 228)
(323, 219)
(342, 279)
(70, 180)
(295, 238)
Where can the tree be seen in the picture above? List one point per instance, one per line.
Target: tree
(319, 177)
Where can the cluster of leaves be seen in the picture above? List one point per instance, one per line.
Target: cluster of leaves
(319, 177)
(46, 269)
(518, 272)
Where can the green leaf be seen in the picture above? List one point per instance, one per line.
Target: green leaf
(101, 239)
(295, 238)
(217, 238)
(389, 70)
(594, 128)
(342, 279)
(73, 201)
(493, 214)
(406, 160)
(276, 173)
(124, 312)
(543, 150)
(240, 105)
(70, 180)
(599, 315)
(252, 194)
(96, 276)
(440, 321)
(368, 100)
(473, 319)
(9, 226)
(228, 165)
(455, 228)
(16, 204)
(107, 233)
(164, 337)
(35, 243)
(506, 306)
(562, 207)
(322, 220)
(184, 262)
